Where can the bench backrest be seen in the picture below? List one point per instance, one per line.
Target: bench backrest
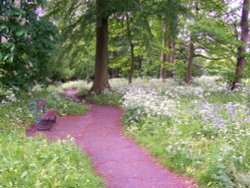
(41, 104)
(38, 105)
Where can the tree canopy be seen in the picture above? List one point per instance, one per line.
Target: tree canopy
(65, 40)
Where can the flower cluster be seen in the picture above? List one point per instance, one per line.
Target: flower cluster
(150, 101)
(222, 116)
(153, 98)
(9, 98)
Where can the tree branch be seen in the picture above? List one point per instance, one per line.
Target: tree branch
(210, 58)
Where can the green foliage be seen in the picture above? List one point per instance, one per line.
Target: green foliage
(134, 115)
(212, 29)
(68, 62)
(110, 99)
(28, 162)
(75, 55)
(29, 39)
(180, 69)
(169, 12)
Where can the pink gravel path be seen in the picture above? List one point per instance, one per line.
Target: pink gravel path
(115, 157)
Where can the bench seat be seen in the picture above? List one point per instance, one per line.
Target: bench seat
(50, 115)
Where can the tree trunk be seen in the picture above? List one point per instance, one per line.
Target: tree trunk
(131, 72)
(188, 76)
(101, 82)
(132, 55)
(164, 55)
(114, 73)
(241, 59)
(1, 13)
(171, 57)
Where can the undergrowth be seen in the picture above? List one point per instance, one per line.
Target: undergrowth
(34, 162)
(110, 99)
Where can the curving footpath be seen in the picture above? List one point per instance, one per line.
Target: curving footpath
(115, 157)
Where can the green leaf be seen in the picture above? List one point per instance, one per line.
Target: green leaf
(20, 33)
(6, 57)
(3, 27)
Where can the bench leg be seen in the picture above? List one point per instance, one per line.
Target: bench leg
(43, 126)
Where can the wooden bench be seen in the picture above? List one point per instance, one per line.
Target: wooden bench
(44, 118)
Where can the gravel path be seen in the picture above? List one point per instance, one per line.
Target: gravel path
(115, 157)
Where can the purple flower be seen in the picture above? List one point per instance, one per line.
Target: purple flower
(248, 113)
(217, 107)
(230, 110)
(210, 113)
(203, 106)
(39, 11)
(30, 2)
(221, 125)
(247, 120)
(218, 120)
(203, 118)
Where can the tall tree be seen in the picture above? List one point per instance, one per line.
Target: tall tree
(168, 12)
(76, 20)
(101, 82)
(164, 53)
(129, 36)
(191, 49)
(241, 59)
(73, 16)
(131, 44)
(190, 58)
(210, 37)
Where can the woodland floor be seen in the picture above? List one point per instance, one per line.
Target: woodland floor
(116, 158)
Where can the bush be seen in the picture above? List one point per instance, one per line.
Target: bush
(24, 56)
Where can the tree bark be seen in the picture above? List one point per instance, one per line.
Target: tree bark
(191, 55)
(164, 55)
(241, 59)
(114, 73)
(132, 54)
(1, 13)
(101, 82)
(131, 72)
(171, 57)
(167, 57)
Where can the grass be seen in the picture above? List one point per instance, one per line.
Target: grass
(28, 162)
(34, 162)
(110, 99)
